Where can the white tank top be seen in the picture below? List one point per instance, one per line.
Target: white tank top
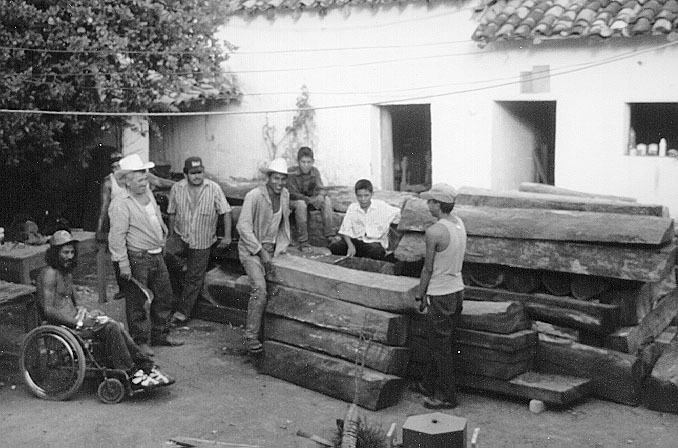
(446, 276)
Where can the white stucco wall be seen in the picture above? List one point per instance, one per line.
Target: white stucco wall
(426, 57)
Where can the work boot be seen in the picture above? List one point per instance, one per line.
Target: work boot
(435, 403)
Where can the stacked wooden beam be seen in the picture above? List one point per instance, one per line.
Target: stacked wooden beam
(590, 268)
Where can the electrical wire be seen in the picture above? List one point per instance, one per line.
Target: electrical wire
(350, 105)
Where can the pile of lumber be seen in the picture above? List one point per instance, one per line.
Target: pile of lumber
(592, 272)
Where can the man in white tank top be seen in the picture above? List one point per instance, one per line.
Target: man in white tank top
(441, 286)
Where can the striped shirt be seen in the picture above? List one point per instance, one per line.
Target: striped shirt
(196, 223)
(370, 226)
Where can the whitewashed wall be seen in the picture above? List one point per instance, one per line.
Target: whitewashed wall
(591, 111)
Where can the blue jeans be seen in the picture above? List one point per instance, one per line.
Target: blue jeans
(301, 209)
(442, 320)
(258, 296)
(191, 285)
(150, 271)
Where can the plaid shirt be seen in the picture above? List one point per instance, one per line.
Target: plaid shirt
(197, 223)
(303, 186)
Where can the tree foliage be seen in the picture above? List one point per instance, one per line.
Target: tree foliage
(103, 56)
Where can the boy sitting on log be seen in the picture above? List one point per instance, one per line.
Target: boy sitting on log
(364, 230)
(305, 186)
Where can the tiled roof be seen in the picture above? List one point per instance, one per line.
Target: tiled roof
(544, 19)
(268, 6)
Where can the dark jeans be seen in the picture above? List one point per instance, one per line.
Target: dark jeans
(441, 324)
(301, 209)
(197, 261)
(150, 271)
(118, 350)
(362, 249)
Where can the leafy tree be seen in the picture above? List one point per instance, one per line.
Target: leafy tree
(103, 56)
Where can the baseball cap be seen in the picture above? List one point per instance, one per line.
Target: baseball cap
(440, 192)
(192, 162)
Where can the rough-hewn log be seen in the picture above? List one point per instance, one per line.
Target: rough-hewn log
(331, 376)
(614, 376)
(587, 287)
(468, 362)
(556, 331)
(550, 388)
(481, 197)
(522, 280)
(485, 275)
(552, 225)
(492, 317)
(625, 262)
(630, 339)
(565, 311)
(511, 342)
(222, 314)
(226, 288)
(661, 388)
(556, 283)
(336, 315)
(380, 357)
(383, 292)
(550, 189)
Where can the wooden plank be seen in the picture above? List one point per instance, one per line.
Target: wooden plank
(550, 189)
(221, 314)
(550, 388)
(624, 262)
(565, 311)
(499, 356)
(587, 287)
(661, 388)
(481, 197)
(631, 339)
(379, 291)
(332, 314)
(614, 375)
(485, 275)
(556, 283)
(552, 225)
(380, 357)
(331, 376)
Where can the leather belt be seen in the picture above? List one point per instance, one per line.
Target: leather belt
(144, 252)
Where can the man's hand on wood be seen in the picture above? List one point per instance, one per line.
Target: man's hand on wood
(126, 272)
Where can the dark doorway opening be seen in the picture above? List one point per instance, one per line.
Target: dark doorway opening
(524, 140)
(411, 133)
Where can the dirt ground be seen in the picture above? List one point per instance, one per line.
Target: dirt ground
(220, 396)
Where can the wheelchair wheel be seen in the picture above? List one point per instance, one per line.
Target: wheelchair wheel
(52, 362)
(111, 391)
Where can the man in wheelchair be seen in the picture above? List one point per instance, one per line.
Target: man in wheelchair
(60, 306)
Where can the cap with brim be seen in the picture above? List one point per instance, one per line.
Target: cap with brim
(132, 163)
(61, 237)
(440, 192)
(276, 166)
(192, 163)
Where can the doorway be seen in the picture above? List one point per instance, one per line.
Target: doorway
(406, 142)
(523, 144)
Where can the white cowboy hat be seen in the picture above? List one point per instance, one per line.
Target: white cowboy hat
(276, 166)
(131, 163)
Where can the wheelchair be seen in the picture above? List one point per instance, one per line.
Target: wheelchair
(55, 361)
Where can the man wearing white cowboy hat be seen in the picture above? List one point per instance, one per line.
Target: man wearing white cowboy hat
(136, 240)
(264, 228)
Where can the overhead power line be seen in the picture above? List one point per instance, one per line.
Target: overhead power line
(574, 69)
